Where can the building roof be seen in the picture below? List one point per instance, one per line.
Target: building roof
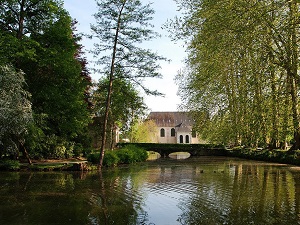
(178, 120)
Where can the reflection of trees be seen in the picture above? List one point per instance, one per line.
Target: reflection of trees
(117, 198)
(40, 198)
(296, 193)
(114, 197)
(257, 195)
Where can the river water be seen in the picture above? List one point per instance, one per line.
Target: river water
(204, 190)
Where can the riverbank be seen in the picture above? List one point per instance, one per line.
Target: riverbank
(72, 164)
(127, 157)
(276, 155)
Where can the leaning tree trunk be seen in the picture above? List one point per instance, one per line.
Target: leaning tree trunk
(24, 151)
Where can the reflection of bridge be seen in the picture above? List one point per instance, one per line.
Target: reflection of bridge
(194, 149)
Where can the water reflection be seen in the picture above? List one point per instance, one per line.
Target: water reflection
(179, 155)
(194, 191)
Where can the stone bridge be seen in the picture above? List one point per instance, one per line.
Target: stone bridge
(194, 149)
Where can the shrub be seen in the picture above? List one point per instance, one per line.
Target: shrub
(132, 154)
(110, 158)
(127, 155)
(9, 165)
(86, 152)
(93, 158)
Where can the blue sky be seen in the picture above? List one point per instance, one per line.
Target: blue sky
(83, 10)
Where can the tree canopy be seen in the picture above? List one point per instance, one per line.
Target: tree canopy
(241, 70)
(39, 40)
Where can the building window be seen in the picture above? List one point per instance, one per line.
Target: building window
(181, 139)
(173, 132)
(162, 132)
(187, 139)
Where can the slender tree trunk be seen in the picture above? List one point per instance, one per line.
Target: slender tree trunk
(112, 133)
(295, 113)
(275, 116)
(21, 20)
(110, 89)
(292, 72)
(24, 150)
(285, 119)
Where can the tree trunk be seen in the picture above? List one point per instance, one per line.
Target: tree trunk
(295, 112)
(292, 72)
(23, 149)
(275, 116)
(21, 20)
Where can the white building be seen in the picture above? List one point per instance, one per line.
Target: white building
(174, 127)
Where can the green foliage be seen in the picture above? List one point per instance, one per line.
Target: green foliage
(126, 105)
(143, 132)
(110, 159)
(132, 154)
(127, 155)
(37, 37)
(59, 93)
(120, 27)
(240, 70)
(15, 110)
(9, 165)
(49, 146)
(278, 156)
(35, 15)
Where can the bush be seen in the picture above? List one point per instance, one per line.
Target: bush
(86, 152)
(110, 158)
(9, 165)
(127, 155)
(139, 153)
(93, 158)
(132, 154)
(77, 150)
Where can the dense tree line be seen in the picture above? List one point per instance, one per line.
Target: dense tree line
(38, 43)
(241, 80)
(55, 100)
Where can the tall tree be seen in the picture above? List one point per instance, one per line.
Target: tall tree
(25, 17)
(15, 110)
(40, 41)
(121, 25)
(57, 82)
